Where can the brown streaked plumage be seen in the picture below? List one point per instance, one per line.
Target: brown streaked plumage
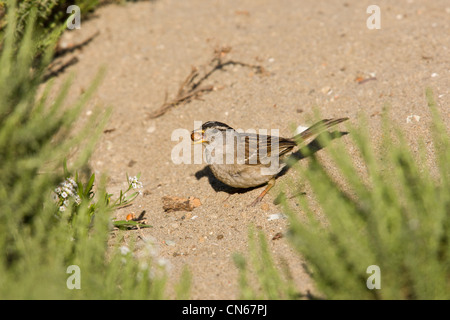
(239, 159)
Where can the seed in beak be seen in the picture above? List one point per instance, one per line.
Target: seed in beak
(196, 135)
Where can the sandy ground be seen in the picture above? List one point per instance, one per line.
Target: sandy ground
(314, 54)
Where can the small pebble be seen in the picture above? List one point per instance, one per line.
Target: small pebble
(277, 236)
(300, 129)
(170, 243)
(410, 118)
(325, 90)
(276, 216)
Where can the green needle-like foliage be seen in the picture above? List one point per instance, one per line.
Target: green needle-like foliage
(262, 270)
(38, 240)
(393, 213)
(51, 17)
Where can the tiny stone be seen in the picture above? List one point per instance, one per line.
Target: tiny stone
(170, 243)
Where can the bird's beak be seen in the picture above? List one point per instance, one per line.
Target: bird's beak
(197, 136)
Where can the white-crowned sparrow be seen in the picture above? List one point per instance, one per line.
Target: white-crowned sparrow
(245, 160)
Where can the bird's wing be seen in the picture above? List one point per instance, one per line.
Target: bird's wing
(259, 149)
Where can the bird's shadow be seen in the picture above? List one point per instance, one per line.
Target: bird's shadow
(304, 152)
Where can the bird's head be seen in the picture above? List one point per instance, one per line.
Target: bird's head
(207, 131)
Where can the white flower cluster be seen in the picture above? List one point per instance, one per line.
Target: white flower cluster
(65, 191)
(135, 183)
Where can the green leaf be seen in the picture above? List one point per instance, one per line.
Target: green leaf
(90, 184)
(66, 171)
(127, 225)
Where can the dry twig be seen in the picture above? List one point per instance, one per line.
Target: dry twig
(192, 89)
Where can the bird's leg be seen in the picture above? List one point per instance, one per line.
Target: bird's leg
(269, 186)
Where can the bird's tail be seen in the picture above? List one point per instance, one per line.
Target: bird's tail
(318, 128)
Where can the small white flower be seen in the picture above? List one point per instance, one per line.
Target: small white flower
(135, 183)
(71, 181)
(124, 250)
(143, 266)
(62, 208)
(58, 190)
(162, 262)
(64, 194)
(66, 203)
(68, 191)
